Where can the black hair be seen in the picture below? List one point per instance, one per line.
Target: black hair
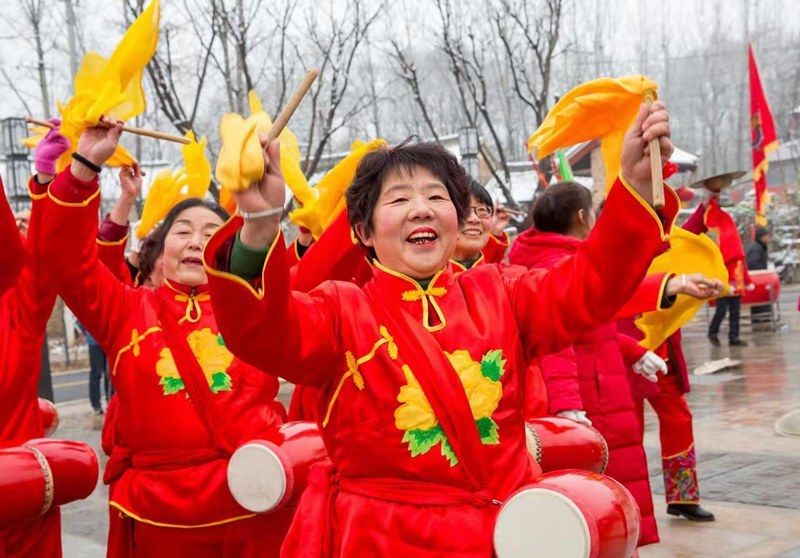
(555, 209)
(362, 195)
(480, 193)
(153, 245)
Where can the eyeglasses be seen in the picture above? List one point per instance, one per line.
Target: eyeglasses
(482, 211)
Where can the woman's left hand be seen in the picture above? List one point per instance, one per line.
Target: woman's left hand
(652, 122)
(695, 285)
(500, 221)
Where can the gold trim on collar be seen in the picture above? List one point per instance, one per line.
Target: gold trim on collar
(426, 296)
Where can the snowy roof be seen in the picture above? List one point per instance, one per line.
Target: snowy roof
(786, 151)
(523, 182)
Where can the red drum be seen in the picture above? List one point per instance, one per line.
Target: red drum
(49, 414)
(560, 443)
(767, 287)
(264, 475)
(42, 474)
(568, 514)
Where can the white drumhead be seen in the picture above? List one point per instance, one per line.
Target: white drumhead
(538, 522)
(256, 478)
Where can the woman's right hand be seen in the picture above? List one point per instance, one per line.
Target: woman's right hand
(268, 193)
(97, 144)
(576, 415)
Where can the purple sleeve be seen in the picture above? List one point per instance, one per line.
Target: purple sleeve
(110, 231)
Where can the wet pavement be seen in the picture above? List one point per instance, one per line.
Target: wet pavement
(749, 476)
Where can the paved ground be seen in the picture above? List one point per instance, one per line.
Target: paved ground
(749, 476)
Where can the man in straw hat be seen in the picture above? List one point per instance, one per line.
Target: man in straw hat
(723, 229)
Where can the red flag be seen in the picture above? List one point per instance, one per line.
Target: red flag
(762, 135)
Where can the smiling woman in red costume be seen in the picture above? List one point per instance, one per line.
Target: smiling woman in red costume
(185, 402)
(421, 369)
(27, 296)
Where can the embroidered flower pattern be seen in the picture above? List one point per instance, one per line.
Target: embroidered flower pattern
(481, 381)
(211, 353)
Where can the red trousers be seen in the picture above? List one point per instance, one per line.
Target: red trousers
(36, 538)
(678, 460)
(259, 536)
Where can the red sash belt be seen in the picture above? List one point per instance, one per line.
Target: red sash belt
(414, 492)
(123, 458)
(327, 483)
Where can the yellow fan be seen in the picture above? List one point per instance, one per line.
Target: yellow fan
(688, 253)
(111, 88)
(320, 212)
(240, 161)
(599, 109)
(172, 186)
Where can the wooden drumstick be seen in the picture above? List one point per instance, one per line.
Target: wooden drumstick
(287, 112)
(655, 160)
(125, 128)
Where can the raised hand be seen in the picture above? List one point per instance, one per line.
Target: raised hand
(267, 194)
(651, 122)
(130, 180)
(48, 150)
(695, 285)
(97, 144)
(500, 220)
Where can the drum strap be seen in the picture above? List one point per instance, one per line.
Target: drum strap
(440, 383)
(194, 379)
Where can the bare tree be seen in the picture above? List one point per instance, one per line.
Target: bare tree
(407, 72)
(34, 11)
(162, 72)
(465, 52)
(72, 36)
(337, 51)
(530, 34)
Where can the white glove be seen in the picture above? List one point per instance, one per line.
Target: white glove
(577, 416)
(649, 365)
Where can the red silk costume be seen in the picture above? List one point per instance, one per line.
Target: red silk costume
(678, 459)
(25, 307)
(592, 375)
(420, 451)
(167, 469)
(727, 237)
(13, 257)
(337, 257)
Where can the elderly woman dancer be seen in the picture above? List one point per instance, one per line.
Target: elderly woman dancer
(423, 370)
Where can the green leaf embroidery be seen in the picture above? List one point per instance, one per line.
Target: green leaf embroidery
(171, 385)
(220, 381)
(421, 441)
(487, 428)
(448, 453)
(493, 365)
(220, 340)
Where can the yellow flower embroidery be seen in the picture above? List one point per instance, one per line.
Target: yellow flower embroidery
(415, 413)
(481, 381)
(212, 355)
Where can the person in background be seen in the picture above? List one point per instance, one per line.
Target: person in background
(723, 229)
(757, 259)
(98, 372)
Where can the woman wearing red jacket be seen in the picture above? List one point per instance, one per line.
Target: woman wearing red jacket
(591, 377)
(185, 402)
(27, 296)
(422, 369)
